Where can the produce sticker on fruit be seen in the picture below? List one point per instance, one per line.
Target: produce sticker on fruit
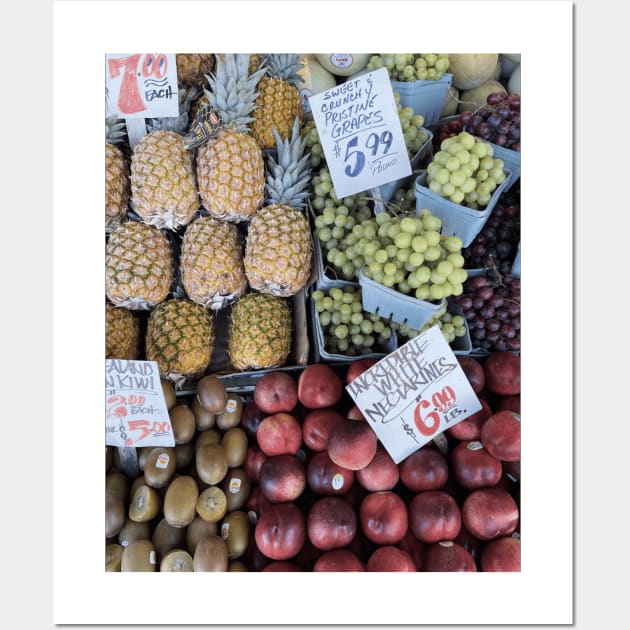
(141, 85)
(360, 132)
(413, 394)
(135, 408)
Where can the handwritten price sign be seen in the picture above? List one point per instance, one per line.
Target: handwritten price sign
(135, 409)
(360, 132)
(415, 393)
(141, 85)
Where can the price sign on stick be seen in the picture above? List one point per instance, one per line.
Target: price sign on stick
(141, 85)
(359, 129)
(414, 394)
(135, 410)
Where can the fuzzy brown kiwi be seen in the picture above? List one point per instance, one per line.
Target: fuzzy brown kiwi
(235, 530)
(113, 556)
(183, 423)
(211, 554)
(204, 419)
(198, 529)
(211, 463)
(231, 415)
(145, 505)
(165, 537)
(140, 555)
(211, 504)
(135, 484)
(143, 453)
(180, 501)
(210, 436)
(160, 466)
(133, 531)
(168, 389)
(235, 443)
(118, 483)
(237, 488)
(212, 394)
(177, 560)
(115, 515)
(184, 455)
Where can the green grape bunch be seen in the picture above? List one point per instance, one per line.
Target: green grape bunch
(348, 329)
(451, 326)
(411, 66)
(465, 171)
(412, 127)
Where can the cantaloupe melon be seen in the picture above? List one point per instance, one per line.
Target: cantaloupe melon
(470, 70)
(451, 102)
(514, 84)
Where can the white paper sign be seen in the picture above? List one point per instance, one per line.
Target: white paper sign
(141, 85)
(414, 394)
(360, 133)
(135, 410)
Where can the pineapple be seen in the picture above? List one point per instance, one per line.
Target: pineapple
(278, 101)
(116, 174)
(163, 187)
(122, 334)
(138, 266)
(278, 250)
(230, 167)
(259, 333)
(180, 338)
(211, 262)
(192, 67)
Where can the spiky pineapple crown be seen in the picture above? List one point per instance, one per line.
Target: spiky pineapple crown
(289, 178)
(115, 130)
(233, 90)
(284, 67)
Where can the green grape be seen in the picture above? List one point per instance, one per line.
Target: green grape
(402, 239)
(325, 318)
(348, 271)
(388, 280)
(333, 243)
(391, 250)
(436, 292)
(318, 204)
(432, 238)
(403, 254)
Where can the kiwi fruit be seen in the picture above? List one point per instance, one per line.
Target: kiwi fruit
(235, 443)
(115, 513)
(135, 484)
(160, 466)
(204, 419)
(231, 415)
(177, 560)
(118, 483)
(237, 488)
(198, 529)
(183, 423)
(145, 504)
(133, 531)
(165, 537)
(180, 501)
(235, 530)
(211, 554)
(211, 504)
(237, 565)
(209, 436)
(184, 455)
(212, 394)
(113, 556)
(168, 389)
(140, 555)
(143, 451)
(211, 463)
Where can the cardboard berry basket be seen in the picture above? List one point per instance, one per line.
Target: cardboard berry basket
(322, 354)
(424, 97)
(457, 220)
(391, 304)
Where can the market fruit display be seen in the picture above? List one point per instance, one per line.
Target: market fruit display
(213, 273)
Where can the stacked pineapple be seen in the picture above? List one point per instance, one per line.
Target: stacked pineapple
(116, 173)
(245, 239)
